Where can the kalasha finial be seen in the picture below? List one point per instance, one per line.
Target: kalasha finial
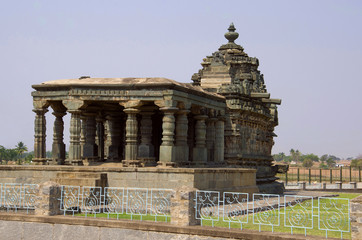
(231, 35)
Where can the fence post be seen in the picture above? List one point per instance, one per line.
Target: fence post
(320, 175)
(298, 175)
(286, 177)
(340, 174)
(359, 174)
(330, 175)
(48, 199)
(183, 207)
(350, 173)
(356, 217)
(310, 175)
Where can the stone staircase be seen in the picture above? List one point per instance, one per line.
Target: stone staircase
(88, 179)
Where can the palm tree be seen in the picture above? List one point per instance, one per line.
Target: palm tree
(292, 154)
(297, 155)
(21, 148)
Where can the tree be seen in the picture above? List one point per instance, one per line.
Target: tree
(311, 156)
(279, 157)
(324, 158)
(308, 163)
(355, 163)
(331, 162)
(2, 153)
(21, 148)
(292, 154)
(297, 155)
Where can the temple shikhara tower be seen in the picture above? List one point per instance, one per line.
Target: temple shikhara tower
(215, 133)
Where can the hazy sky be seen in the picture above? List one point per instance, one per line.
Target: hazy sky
(309, 51)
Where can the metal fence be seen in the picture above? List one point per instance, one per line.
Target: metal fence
(288, 211)
(17, 196)
(232, 209)
(116, 201)
(310, 175)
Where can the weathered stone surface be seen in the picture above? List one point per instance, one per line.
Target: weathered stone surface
(67, 232)
(166, 236)
(36, 231)
(48, 197)
(182, 207)
(11, 230)
(115, 233)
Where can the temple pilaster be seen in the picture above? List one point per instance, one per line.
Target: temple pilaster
(200, 150)
(40, 137)
(182, 149)
(167, 148)
(58, 147)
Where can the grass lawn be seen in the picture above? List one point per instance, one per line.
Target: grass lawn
(312, 219)
(147, 217)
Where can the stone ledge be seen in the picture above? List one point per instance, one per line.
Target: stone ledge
(122, 169)
(152, 226)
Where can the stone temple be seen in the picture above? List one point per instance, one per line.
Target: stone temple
(219, 128)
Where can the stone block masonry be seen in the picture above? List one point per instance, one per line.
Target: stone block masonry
(356, 218)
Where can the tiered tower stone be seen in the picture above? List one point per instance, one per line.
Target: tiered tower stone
(250, 116)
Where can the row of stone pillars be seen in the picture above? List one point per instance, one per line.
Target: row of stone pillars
(208, 144)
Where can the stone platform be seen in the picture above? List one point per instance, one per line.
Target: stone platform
(112, 175)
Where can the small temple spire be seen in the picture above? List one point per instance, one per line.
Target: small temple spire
(231, 35)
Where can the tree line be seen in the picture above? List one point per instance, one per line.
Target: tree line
(18, 154)
(308, 160)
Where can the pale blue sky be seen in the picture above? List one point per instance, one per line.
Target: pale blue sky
(310, 54)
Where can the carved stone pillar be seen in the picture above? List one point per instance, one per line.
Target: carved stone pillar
(100, 134)
(74, 147)
(219, 141)
(200, 151)
(182, 149)
(40, 137)
(146, 150)
(114, 134)
(58, 148)
(210, 138)
(131, 134)
(90, 147)
(167, 148)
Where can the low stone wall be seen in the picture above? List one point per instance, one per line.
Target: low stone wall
(219, 179)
